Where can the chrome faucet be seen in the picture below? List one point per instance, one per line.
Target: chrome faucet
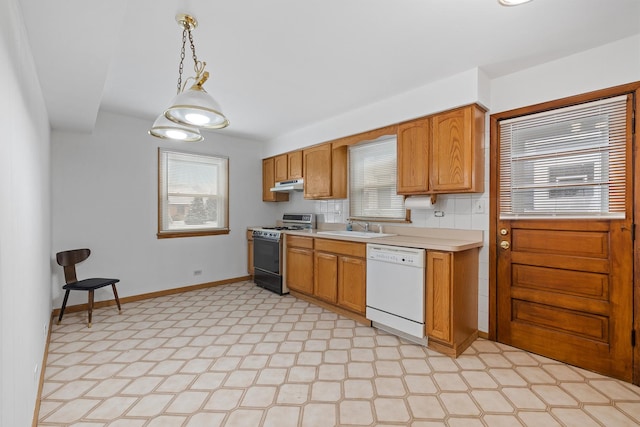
(363, 224)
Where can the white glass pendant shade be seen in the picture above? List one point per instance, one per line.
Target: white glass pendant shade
(166, 129)
(512, 2)
(195, 107)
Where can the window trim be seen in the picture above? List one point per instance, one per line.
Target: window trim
(167, 234)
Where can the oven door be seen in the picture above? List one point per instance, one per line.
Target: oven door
(266, 264)
(266, 255)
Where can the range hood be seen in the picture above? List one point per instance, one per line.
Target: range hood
(290, 185)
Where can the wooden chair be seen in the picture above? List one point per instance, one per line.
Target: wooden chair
(68, 260)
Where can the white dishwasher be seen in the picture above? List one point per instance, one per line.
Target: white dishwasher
(395, 290)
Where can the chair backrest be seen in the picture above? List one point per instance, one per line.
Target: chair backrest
(69, 259)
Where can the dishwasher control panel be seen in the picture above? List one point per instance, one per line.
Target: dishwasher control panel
(396, 255)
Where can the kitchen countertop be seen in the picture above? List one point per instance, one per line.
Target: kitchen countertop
(449, 240)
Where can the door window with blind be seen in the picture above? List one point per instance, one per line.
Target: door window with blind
(568, 162)
(192, 194)
(372, 181)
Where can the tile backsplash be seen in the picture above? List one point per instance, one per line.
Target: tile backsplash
(461, 211)
(332, 211)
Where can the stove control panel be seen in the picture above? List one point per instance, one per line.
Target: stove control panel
(266, 234)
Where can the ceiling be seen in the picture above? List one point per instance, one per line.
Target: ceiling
(280, 65)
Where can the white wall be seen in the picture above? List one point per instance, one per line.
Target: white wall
(606, 66)
(25, 297)
(461, 89)
(105, 198)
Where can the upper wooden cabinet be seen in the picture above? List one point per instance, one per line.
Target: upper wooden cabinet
(442, 153)
(268, 181)
(325, 172)
(294, 165)
(288, 166)
(413, 156)
(457, 161)
(281, 165)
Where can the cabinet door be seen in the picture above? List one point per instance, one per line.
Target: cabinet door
(413, 157)
(438, 296)
(268, 181)
(352, 283)
(300, 270)
(281, 165)
(295, 165)
(325, 284)
(317, 171)
(250, 252)
(456, 150)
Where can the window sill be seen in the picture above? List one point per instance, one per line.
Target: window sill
(194, 233)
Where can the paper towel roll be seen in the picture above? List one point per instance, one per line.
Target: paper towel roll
(421, 202)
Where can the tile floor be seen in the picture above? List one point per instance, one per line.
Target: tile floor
(237, 355)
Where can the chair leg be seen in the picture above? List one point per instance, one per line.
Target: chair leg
(115, 294)
(64, 304)
(90, 306)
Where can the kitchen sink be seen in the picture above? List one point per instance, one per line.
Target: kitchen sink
(360, 234)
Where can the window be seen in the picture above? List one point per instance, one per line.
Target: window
(193, 194)
(372, 181)
(568, 162)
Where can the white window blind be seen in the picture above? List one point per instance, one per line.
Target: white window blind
(372, 181)
(193, 193)
(569, 162)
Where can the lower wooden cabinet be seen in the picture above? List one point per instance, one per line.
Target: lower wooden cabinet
(250, 252)
(299, 270)
(352, 284)
(330, 272)
(451, 300)
(340, 274)
(333, 274)
(325, 280)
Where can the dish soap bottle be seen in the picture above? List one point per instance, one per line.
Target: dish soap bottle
(349, 226)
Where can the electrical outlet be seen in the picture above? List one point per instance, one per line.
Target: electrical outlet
(197, 272)
(478, 207)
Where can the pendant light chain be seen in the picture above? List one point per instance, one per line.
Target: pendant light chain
(180, 67)
(198, 66)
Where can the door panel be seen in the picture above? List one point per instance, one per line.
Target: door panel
(574, 283)
(564, 291)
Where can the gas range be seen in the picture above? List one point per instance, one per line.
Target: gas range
(267, 250)
(289, 222)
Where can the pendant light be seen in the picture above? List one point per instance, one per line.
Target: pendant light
(166, 129)
(193, 108)
(512, 2)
